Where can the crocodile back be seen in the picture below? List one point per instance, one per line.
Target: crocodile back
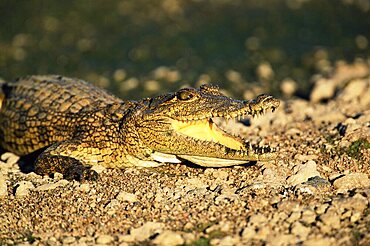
(36, 111)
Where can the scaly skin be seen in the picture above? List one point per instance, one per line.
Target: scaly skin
(79, 125)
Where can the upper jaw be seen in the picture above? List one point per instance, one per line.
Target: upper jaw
(238, 109)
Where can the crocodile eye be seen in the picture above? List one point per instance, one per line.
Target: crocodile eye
(185, 95)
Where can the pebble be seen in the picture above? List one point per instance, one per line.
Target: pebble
(145, 231)
(98, 168)
(58, 176)
(331, 219)
(52, 186)
(353, 90)
(257, 220)
(169, 238)
(317, 181)
(248, 233)
(195, 183)
(300, 230)
(282, 239)
(227, 195)
(308, 216)
(228, 241)
(221, 174)
(126, 197)
(112, 206)
(272, 178)
(319, 241)
(288, 87)
(22, 188)
(104, 239)
(351, 181)
(84, 187)
(3, 186)
(357, 203)
(331, 115)
(69, 240)
(9, 158)
(305, 171)
(323, 89)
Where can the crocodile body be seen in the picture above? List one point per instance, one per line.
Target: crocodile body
(77, 125)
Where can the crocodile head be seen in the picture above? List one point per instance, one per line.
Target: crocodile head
(180, 126)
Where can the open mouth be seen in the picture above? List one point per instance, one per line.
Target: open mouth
(238, 150)
(207, 130)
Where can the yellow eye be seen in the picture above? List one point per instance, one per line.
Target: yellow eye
(185, 95)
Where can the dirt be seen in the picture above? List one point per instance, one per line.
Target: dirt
(316, 193)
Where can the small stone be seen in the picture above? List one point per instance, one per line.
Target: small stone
(58, 176)
(257, 220)
(69, 240)
(188, 226)
(304, 172)
(317, 182)
(228, 241)
(52, 186)
(3, 186)
(195, 183)
(331, 219)
(51, 241)
(323, 89)
(169, 238)
(308, 216)
(104, 239)
(114, 203)
(221, 174)
(84, 187)
(288, 87)
(356, 217)
(357, 203)
(146, 231)
(322, 208)
(263, 233)
(248, 233)
(272, 178)
(86, 240)
(300, 230)
(296, 215)
(9, 158)
(351, 181)
(319, 241)
(188, 237)
(282, 239)
(22, 188)
(353, 90)
(333, 116)
(126, 197)
(98, 168)
(227, 195)
(126, 238)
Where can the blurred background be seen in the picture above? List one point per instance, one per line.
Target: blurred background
(139, 48)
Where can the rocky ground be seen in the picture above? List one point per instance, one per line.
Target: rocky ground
(316, 193)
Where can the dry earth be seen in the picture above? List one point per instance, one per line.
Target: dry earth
(316, 193)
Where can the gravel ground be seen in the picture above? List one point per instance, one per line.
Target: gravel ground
(316, 193)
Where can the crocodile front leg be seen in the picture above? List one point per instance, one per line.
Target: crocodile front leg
(59, 158)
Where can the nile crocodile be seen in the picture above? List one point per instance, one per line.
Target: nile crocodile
(77, 125)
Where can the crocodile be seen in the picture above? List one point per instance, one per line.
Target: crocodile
(73, 125)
